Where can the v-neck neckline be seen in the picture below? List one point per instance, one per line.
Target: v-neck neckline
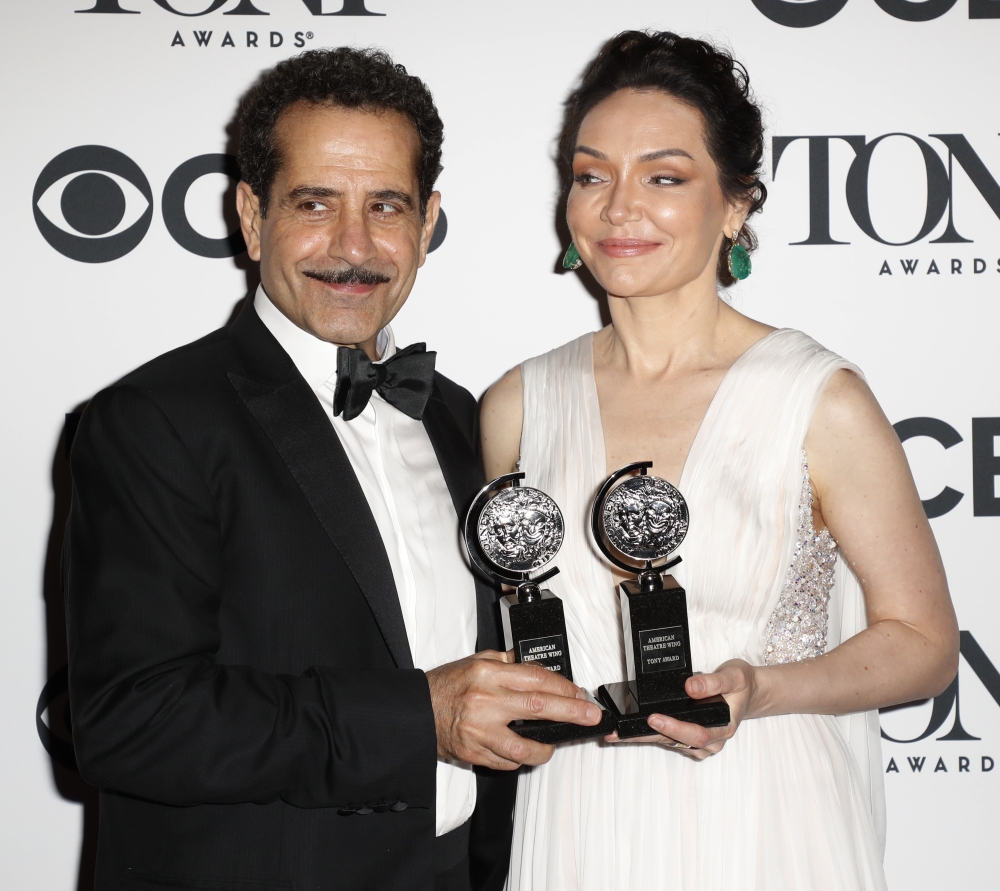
(702, 432)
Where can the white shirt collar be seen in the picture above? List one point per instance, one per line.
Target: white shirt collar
(315, 359)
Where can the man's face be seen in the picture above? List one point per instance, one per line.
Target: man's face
(342, 241)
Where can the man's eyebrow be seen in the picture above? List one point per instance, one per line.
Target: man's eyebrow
(306, 192)
(395, 196)
(298, 194)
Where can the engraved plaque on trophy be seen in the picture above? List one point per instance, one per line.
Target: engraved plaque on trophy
(644, 519)
(511, 531)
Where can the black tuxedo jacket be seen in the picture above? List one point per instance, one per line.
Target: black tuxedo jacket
(241, 684)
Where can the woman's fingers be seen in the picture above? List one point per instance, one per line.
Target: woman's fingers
(735, 681)
(667, 742)
(701, 685)
(732, 677)
(693, 736)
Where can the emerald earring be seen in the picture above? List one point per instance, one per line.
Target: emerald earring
(740, 266)
(572, 260)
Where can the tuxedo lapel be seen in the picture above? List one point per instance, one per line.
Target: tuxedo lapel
(460, 468)
(456, 457)
(292, 419)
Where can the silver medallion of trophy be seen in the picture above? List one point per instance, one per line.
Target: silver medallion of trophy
(520, 529)
(645, 518)
(512, 531)
(638, 521)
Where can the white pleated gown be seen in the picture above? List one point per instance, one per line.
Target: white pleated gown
(792, 803)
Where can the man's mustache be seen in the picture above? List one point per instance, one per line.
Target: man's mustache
(352, 275)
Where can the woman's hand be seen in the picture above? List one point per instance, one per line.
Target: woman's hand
(737, 682)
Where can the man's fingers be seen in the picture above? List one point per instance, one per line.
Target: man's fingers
(538, 706)
(511, 747)
(493, 656)
(476, 698)
(527, 678)
(494, 761)
(543, 679)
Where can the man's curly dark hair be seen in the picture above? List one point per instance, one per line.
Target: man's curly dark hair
(366, 79)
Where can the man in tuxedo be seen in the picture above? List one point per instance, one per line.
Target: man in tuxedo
(271, 623)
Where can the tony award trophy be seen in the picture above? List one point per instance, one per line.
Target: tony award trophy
(511, 531)
(645, 519)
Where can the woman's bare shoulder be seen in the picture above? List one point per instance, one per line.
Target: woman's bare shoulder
(501, 418)
(504, 396)
(851, 444)
(847, 402)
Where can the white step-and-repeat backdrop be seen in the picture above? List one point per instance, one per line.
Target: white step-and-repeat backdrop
(881, 238)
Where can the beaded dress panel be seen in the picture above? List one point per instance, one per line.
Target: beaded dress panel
(797, 628)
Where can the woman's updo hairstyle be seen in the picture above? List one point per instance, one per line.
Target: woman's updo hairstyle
(699, 75)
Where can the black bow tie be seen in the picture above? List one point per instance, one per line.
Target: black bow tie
(404, 381)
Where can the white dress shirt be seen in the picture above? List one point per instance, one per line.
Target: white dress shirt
(402, 480)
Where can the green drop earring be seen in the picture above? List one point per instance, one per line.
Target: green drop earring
(740, 266)
(571, 260)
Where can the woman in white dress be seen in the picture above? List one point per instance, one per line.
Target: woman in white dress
(815, 588)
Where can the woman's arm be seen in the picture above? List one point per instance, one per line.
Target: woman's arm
(500, 425)
(866, 497)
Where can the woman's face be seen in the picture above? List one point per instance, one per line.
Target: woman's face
(646, 210)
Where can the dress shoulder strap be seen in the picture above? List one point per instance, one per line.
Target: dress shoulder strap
(765, 404)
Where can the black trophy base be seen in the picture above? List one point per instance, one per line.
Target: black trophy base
(554, 732)
(630, 717)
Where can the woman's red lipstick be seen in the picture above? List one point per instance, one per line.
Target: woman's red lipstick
(627, 247)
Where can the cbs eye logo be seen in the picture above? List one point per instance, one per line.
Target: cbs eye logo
(94, 204)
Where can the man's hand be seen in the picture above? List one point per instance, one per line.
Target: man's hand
(475, 698)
